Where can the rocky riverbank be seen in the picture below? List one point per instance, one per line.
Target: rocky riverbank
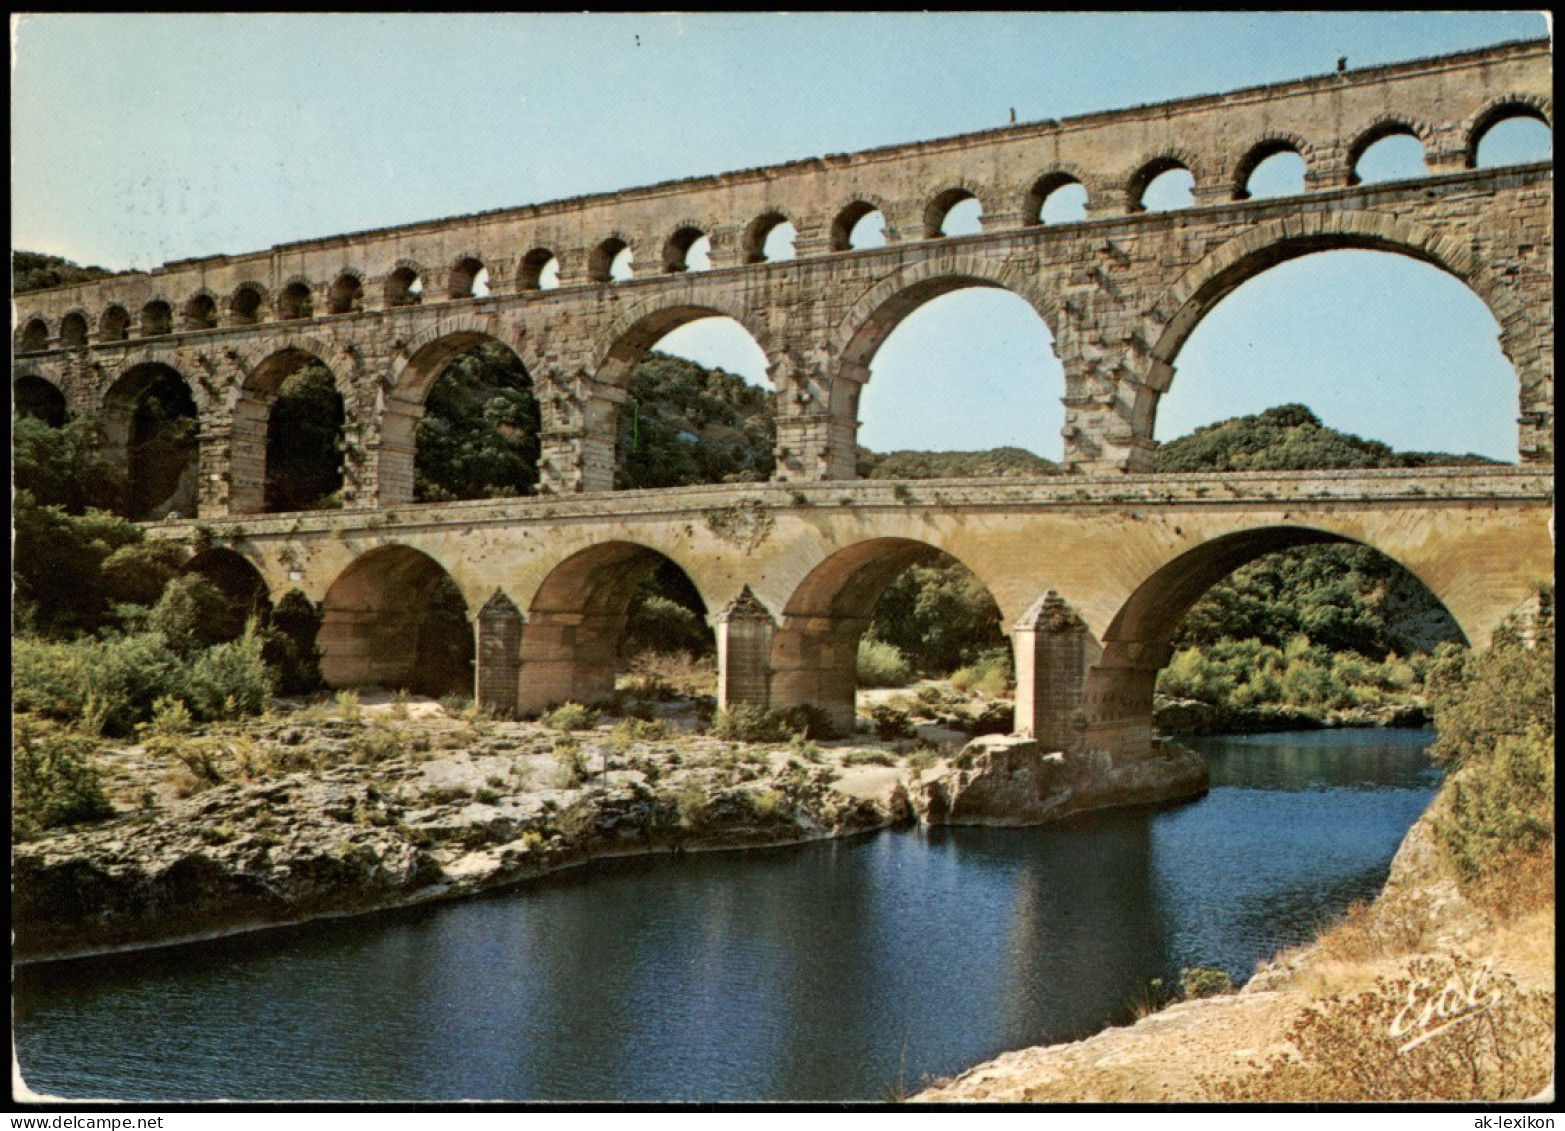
(308, 813)
(285, 820)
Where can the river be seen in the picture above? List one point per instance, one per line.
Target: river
(844, 970)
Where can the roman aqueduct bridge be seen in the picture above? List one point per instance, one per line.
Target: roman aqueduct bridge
(1091, 570)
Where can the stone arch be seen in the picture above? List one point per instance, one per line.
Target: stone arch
(247, 305)
(200, 311)
(296, 300)
(1045, 186)
(814, 655)
(851, 212)
(113, 323)
(157, 318)
(947, 198)
(414, 371)
(1382, 127)
(621, 347)
(601, 262)
(1116, 704)
(374, 618)
(240, 579)
(262, 371)
(676, 249)
(1181, 308)
(876, 314)
(463, 275)
(530, 277)
(1534, 106)
(400, 281)
(576, 620)
(161, 479)
(346, 295)
(34, 395)
(759, 229)
(1153, 167)
(424, 356)
(1270, 146)
(74, 329)
(33, 337)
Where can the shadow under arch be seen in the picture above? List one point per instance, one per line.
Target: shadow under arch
(1184, 305)
(40, 398)
(576, 623)
(1122, 670)
(814, 658)
(151, 425)
(258, 441)
(386, 621)
(239, 580)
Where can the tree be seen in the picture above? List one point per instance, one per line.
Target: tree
(303, 464)
(687, 424)
(479, 436)
(63, 466)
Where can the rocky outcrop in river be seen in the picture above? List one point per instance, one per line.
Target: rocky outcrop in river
(1005, 780)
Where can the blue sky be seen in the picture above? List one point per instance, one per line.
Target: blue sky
(142, 138)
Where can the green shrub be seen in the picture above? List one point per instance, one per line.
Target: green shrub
(1204, 981)
(868, 758)
(1495, 722)
(1501, 807)
(891, 721)
(170, 717)
(572, 762)
(377, 743)
(570, 716)
(230, 681)
(110, 683)
(882, 665)
(193, 614)
(54, 780)
(746, 723)
(348, 705)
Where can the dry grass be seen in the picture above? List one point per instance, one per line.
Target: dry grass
(1396, 924)
(1444, 1028)
(666, 675)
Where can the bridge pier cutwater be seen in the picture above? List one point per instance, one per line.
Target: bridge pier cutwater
(1091, 570)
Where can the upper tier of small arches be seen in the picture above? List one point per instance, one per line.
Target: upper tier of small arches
(775, 231)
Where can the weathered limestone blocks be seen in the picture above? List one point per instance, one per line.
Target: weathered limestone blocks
(1011, 780)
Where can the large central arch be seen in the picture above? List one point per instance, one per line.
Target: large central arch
(1198, 291)
(1122, 670)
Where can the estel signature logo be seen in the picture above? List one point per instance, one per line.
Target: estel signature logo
(1429, 1014)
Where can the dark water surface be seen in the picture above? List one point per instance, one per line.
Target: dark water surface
(826, 971)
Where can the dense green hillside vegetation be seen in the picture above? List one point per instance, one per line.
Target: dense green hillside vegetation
(687, 424)
(997, 463)
(34, 271)
(1288, 438)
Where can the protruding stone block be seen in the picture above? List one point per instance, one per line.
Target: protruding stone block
(1054, 651)
(744, 652)
(498, 651)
